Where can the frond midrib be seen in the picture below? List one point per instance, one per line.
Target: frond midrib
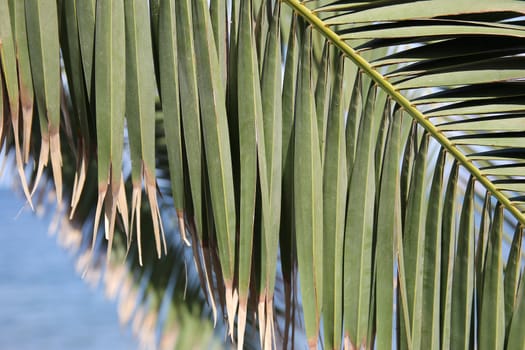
(406, 104)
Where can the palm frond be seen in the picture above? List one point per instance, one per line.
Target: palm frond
(433, 66)
(326, 146)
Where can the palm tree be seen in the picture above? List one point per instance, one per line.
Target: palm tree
(350, 171)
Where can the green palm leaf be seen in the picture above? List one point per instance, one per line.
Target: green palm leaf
(317, 152)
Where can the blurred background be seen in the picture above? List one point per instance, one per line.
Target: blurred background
(44, 303)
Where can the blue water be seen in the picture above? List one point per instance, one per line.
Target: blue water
(44, 304)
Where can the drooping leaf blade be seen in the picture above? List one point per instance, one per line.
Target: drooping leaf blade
(463, 278)
(359, 229)
(492, 318)
(308, 195)
(217, 146)
(335, 184)
(387, 231)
